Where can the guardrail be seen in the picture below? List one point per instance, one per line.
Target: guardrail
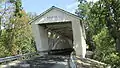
(29, 55)
(21, 56)
(12, 58)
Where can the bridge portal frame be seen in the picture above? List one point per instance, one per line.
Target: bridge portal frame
(56, 15)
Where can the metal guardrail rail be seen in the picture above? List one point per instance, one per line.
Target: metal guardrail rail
(72, 59)
(12, 58)
(38, 59)
(21, 56)
(29, 55)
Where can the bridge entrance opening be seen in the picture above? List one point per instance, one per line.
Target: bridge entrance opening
(60, 36)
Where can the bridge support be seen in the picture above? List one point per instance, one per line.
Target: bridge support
(41, 37)
(79, 40)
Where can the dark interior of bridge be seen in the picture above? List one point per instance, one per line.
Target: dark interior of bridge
(60, 37)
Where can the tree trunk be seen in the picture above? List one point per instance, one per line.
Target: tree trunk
(118, 45)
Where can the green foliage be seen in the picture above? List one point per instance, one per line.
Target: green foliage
(16, 37)
(102, 28)
(105, 48)
(12, 1)
(109, 15)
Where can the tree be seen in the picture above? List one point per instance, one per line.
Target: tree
(108, 10)
(83, 12)
(103, 28)
(16, 37)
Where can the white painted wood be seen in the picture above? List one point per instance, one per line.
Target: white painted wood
(79, 41)
(55, 16)
(41, 37)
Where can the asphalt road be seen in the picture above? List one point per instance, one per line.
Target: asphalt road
(40, 62)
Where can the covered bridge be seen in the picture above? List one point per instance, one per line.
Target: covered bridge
(55, 30)
(67, 29)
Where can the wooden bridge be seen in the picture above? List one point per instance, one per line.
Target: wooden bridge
(66, 50)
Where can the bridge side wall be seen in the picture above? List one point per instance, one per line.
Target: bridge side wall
(41, 38)
(79, 40)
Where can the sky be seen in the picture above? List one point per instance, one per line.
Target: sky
(39, 6)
